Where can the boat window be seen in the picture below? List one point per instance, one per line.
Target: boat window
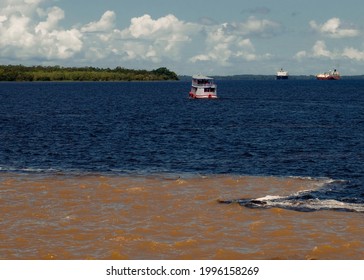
(202, 82)
(209, 89)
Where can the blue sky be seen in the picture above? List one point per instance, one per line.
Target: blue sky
(191, 36)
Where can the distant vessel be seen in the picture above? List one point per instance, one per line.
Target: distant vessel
(282, 75)
(203, 87)
(331, 75)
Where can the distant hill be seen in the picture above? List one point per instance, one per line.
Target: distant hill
(58, 73)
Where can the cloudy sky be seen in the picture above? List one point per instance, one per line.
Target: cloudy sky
(213, 37)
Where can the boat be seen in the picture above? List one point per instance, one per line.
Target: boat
(330, 75)
(282, 75)
(203, 87)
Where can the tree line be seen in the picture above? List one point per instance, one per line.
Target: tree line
(58, 73)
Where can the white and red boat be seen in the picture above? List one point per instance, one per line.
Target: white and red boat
(203, 87)
(331, 75)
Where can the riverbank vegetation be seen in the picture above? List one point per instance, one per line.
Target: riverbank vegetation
(58, 73)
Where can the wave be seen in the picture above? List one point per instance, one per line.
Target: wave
(33, 170)
(338, 195)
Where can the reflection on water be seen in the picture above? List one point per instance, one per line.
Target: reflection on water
(167, 217)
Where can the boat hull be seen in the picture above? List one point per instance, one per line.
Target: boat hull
(331, 75)
(328, 78)
(202, 96)
(282, 77)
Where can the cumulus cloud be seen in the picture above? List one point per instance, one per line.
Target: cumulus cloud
(320, 50)
(31, 30)
(167, 28)
(23, 7)
(353, 54)
(14, 31)
(55, 14)
(61, 44)
(24, 35)
(230, 41)
(221, 46)
(334, 28)
(300, 55)
(153, 39)
(106, 22)
(259, 27)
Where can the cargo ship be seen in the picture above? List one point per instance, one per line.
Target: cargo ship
(330, 75)
(282, 75)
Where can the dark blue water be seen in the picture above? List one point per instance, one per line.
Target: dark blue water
(266, 128)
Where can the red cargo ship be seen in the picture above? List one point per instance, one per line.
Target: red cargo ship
(331, 75)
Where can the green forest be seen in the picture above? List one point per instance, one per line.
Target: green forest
(58, 73)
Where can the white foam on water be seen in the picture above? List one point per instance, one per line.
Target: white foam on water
(297, 201)
(270, 197)
(310, 204)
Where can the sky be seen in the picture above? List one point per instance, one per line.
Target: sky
(210, 37)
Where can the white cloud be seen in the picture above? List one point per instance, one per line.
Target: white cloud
(3, 19)
(229, 41)
(29, 2)
(55, 14)
(61, 44)
(168, 29)
(222, 46)
(353, 54)
(334, 29)
(259, 27)
(153, 39)
(300, 55)
(23, 7)
(320, 49)
(106, 23)
(31, 30)
(14, 32)
(25, 36)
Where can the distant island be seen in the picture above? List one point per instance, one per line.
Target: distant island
(58, 73)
